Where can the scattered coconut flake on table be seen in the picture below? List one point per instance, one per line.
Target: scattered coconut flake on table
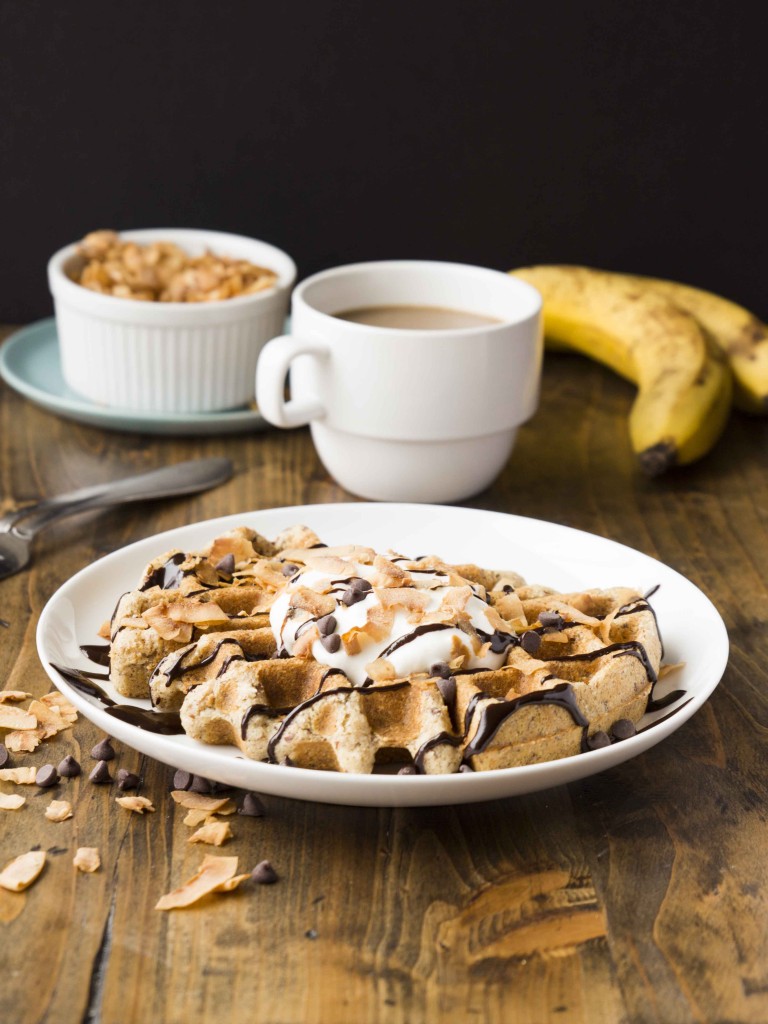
(139, 804)
(21, 776)
(214, 874)
(200, 802)
(58, 810)
(215, 833)
(87, 859)
(11, 801)
(22, 871)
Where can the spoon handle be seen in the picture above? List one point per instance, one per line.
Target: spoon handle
(170, 481)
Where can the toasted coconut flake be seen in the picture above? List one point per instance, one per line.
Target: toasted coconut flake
(321, 561)
(231, 883)
(11, 801)
(138, 804)
(21, 776)
(48, 718)
(312, 602)
(197, 817)
(87, 859)
(15, 718)
(509, 607)
(388, 574)
(214, 833)
(231, 544)
(23, 742)
(572, 614)
(381, 670)
(302, 648)
(299, 537)
(7, 696)
(133, 622)
(58, 810)
(212, 874)
(201, 802)
(105, 630)
(354, 640)
(57, 700)
(198, 613)
(166, 627)
(22, 871)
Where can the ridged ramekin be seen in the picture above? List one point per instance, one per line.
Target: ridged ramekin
(169, 357)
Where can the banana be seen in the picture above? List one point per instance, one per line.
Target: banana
(683, 380)
(737, 332)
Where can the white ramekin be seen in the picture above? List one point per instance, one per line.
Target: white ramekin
(169, 357)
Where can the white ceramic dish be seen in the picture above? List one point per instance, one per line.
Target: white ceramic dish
(692, 629)
(168, 357)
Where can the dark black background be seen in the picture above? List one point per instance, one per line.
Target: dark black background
(618, 133)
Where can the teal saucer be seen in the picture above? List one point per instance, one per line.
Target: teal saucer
(30, 364)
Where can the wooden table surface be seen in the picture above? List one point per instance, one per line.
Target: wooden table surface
(637, 895)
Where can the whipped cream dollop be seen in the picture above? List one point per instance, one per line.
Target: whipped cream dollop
(376, 617)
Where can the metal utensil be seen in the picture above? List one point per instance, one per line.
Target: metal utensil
(17, 529)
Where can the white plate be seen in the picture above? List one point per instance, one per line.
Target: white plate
(558, 556)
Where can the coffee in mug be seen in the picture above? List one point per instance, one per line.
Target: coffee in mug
(401, 412)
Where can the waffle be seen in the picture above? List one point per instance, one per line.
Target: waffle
(524, 674)
(227, 587)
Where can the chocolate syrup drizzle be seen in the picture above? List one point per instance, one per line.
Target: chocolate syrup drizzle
(167, 723)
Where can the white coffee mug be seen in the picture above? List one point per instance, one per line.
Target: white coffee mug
(407, 414)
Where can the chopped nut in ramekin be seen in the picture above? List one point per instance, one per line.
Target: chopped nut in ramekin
(163, 272)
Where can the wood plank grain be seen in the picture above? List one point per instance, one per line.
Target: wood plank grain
(637, 895)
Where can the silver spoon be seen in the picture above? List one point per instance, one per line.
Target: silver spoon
(17, 529)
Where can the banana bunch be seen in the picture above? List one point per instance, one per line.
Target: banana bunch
(689, 353)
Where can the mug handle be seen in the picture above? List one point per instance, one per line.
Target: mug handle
(274, 363)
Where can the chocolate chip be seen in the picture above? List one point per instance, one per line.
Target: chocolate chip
(327, 625)
(447, 688)
(103, 751)
(622, 729)
(598, 739)
(264, 873)
(182, 779)
(508, 588)
(200, 784)
(466, 768)
(100, 774)
(310, 933)
(554, 619)
(351, 596)
(289, 569)
(127, 780)
(361, 585)
(407, 769)
(5, 757)
(46, 776)
(331, 643)
(440, 668)
(226, 564)
(530, 642)
(69, 767)
(252, 807)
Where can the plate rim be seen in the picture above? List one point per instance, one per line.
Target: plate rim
(42, 332)
(383, 790)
